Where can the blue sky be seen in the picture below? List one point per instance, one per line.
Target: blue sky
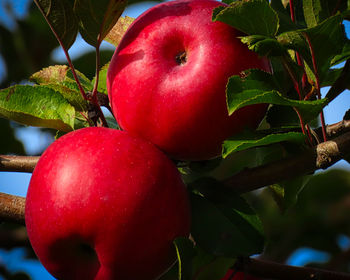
(17, 183)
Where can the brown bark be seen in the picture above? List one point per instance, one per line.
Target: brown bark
(18, 163)
(320, 157)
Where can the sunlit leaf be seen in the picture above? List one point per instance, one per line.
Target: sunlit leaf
(259, 87)
(102, 85)
(37, 106)
(115, 35)
(254, 17)
(264, 46)
(60, 78)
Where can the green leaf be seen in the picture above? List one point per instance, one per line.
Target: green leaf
(102, 85)
(331, 77)
(259, 87)
(37, 106)
(117, 32)
(327, 40)
(286, 193)
(264, 46)
(285, 22)
(344, 55)
(97, 18)
(60, 17)
(60, 78)
(209, 267)
(71, 95)
(223, 224)
(254, 17)
(249, 140)
(314, 11)
(282, 116)
(61, 74)
(112, 123)
(185, 253)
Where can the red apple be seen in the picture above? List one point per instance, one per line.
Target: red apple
(238, 275)
(104, 205)
(167, 79)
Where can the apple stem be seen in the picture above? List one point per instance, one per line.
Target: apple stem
(94, 98)
(97, 76)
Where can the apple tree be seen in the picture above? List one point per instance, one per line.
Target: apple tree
(263, 197)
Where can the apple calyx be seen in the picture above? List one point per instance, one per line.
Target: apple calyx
(181, 58)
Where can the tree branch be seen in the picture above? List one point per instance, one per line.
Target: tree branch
(18, 163)
(320, 157)
(12, 208)
(267, 269)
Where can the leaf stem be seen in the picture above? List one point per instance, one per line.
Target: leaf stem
(302, 126)
(94, 97)
(297, 88)
(65, 52)
(94, 91)
(299, 59)
(82, 91)
(318, 85)
(291, 8)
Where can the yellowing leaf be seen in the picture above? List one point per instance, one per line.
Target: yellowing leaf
(118, 30)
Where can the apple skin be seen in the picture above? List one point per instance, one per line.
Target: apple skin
(239, 275)
(104, 205)
(181, 108)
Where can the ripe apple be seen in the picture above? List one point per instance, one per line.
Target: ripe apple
(238, 275)
(104, 205)
(167, 79)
